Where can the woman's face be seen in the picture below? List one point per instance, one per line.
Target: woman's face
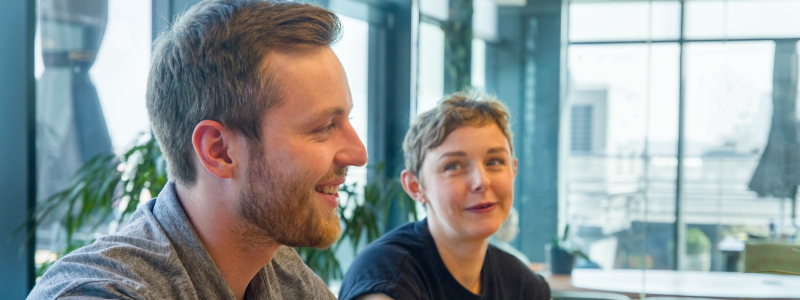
(468, 182)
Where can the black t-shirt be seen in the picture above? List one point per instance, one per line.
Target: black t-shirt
(404, 264)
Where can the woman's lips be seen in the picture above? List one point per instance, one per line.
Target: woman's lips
(482, 208)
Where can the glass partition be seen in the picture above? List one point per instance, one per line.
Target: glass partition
(624, 21)
(430, 76)
(683, 140)
(353, 52)
(92, 60)
(620, 191)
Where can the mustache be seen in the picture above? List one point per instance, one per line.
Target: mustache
(333, 174)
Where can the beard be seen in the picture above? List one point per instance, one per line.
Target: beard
(283, 207)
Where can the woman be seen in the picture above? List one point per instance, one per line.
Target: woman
(460, 164)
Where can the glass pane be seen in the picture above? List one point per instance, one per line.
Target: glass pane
(621, 164)
(92, 63)
(729, 119)
(353, 52)
(624, 21)
(478, 76)
(719, 19)
(484, 19)
(430, 78)
(437, 9)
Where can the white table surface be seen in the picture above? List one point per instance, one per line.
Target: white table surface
(689, 283)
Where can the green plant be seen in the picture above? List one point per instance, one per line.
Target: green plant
(562, 241)
(108, 188)
(105, 188)
(458, 45)
(697, 242)
(364, 214)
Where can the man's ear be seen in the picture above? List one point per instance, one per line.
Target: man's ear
(413, 186)
(213, 146)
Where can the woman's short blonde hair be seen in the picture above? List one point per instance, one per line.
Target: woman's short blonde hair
(432, 127)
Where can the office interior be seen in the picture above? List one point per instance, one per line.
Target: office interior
(663, 133)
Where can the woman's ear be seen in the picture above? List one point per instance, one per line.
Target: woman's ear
(413, 186)
(515, 168)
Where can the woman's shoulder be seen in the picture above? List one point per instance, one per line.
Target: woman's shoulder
(511, 271)
(505, 260)
(389, 265)
(405, 239)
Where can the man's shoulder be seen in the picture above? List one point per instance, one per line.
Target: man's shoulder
(130, 261)
(296, 280)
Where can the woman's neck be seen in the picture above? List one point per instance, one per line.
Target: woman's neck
(462, 257)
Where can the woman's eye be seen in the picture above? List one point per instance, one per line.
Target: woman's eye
(496, 162)
(451, 167)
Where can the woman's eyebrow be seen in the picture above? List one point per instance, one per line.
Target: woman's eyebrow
(454, 153)
(496, 150)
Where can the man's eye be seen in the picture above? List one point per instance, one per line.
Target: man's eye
(327, 128)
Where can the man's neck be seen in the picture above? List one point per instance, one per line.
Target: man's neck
(236, 252)
(462, 257)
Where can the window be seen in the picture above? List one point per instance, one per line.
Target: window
(352, 50)
(720, 19)
(478, 76)
(627, 66)
(581, 131)
(624, 21)
(430, 78)
(624, 125)
(91, 67)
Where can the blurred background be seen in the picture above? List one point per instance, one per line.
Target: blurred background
(662, 133)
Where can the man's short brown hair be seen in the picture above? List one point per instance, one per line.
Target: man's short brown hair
(210, 66)
(457, 110)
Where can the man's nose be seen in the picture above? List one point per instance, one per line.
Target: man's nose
(353, 153)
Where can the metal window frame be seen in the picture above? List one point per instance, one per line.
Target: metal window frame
(18, 150)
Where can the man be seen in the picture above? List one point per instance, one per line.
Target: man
(250, 107)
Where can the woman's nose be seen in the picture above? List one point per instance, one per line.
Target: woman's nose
(480, 179)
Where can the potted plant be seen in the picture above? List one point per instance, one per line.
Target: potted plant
(698, 251)
(561, 257)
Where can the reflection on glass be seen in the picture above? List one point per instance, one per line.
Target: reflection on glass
(623, 133)
(353, 52)
(430, 80)
(730, 116)
(120, 72)
(437, 9)
(624, 21)
(717, 19)
(478, 76)
(92, 60)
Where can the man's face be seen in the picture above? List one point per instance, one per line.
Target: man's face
(307, 143)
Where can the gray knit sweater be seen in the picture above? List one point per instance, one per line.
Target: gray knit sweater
(158, 255)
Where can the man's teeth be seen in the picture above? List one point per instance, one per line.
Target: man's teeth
(329, 189)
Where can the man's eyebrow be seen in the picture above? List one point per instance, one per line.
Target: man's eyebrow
(454, 153)
(329, 112)
(497, 150)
